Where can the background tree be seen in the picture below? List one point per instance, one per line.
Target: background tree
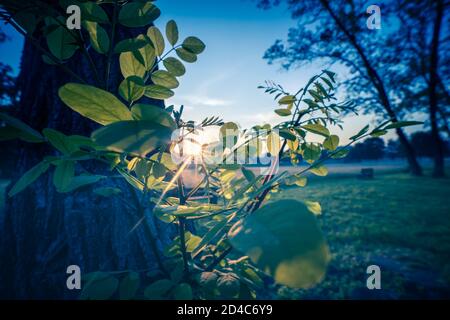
(370, 149)
(393, 149)
(419, 51)
(425, 144)
(8, 99)
(8, 89)
(336, 32)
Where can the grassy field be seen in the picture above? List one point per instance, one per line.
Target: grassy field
(395, 221)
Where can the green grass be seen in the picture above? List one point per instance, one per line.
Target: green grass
(396, 221)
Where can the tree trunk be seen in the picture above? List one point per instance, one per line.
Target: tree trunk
(438, 170)
(42, 231)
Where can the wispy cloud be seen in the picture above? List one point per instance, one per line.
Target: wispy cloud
(263, 117)
(204, 100)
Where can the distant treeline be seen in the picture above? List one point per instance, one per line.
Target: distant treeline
(377, 148)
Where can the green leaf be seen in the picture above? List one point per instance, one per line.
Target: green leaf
(23, 131)
(174, 66)
(331, 142)
(101, 288)
(138, 14)
(317, 129)
(288, 134)
(319, 170)
(166, 161)
(60, 141)
(228, 285)
(172, 32)
(29, 177)
(360, 133)
(107, 191)
(129, 286)
(273, 143)
(314, 207)
(283, 112)
(91, 11)
(194, 45)
(93, 103)
(130, 66)
(229, 132)
(330, 75)
(284, 239)
(183, 292)
(133, 137)
(209, 236)
(147, 52)
(401, 124)
(287, 100)
(311, 152)
(157, 39)
(48, 60)
(130, 45)
(177, 272)
(165, 79)
(192, 243)
(311, 103)
(82, 181)
(157, 289)
(158, 170)
(132, 88)
(61, 43)
(98, 36)
(295, 180)
(329, 84)
(208, 280)
(158, 92)
(248, 174)
(63, 175)
(301, 181)
(8, 133)
(132, 180)
(378, 133)
(341, 153)
(186, 55)
(80, 141)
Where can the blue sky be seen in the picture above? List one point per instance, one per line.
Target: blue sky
(224, 80)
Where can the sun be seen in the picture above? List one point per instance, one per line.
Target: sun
(191, 148)
(194, 144)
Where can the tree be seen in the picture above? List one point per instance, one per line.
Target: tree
(424, 144)
(43, 231)
(370, 149)
(336, 32)
(133, 140)
(393, 149)
(418, 50)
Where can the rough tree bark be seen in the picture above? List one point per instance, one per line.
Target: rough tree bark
(43, 232)
(438, 170)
